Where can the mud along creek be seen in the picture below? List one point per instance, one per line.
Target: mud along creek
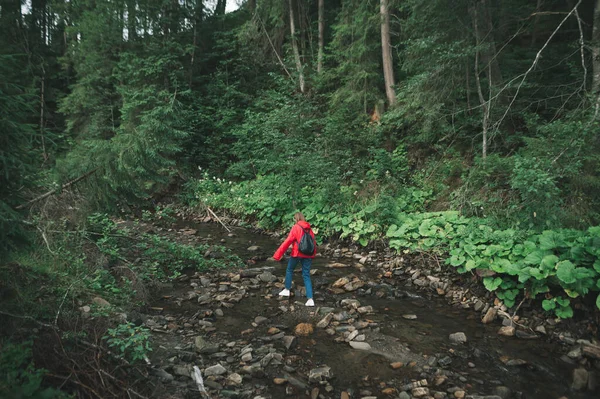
(370, 335)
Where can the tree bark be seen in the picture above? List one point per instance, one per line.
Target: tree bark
(321, 35)
(595, 44)
(295, 48)
(386, 52)
(485, 105)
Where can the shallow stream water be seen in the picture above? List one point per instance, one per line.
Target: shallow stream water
(480, 361)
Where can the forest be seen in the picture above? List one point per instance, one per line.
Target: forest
(463, 131)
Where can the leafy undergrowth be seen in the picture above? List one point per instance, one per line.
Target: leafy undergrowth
(560, 264)
(62, 304)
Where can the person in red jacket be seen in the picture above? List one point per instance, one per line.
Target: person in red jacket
(293, 239)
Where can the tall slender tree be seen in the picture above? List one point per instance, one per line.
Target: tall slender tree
(321, 35)
(295, 48)
(386, 52)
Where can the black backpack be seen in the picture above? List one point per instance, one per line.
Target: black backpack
(307, 244)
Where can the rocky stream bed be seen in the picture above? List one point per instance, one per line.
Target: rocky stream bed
(381, 328)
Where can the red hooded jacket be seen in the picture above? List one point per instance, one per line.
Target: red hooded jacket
(293, 239)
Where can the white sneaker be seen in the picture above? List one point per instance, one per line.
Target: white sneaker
(310, 302)
(285, 292)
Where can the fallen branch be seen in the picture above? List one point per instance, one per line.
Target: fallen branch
(51, 192)
(219, 220)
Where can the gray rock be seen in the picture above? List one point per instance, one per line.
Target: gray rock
(478, 305)
(580, 379)
(289, 341)
(351, 303)
(575, 353)
(503, 392)
(260, 319)
(363, 346)
(234, 379)
(247, 357)
(162, 375)
(445, 361)
(253, 248)
(409, 316)
(420, 392)
(458, 338)
(184, 370)
(217, 369)
(319, 374)
(267, 277)
(403, 395)
(200, 343)
(325, 321)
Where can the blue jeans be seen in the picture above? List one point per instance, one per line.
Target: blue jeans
(306, 262)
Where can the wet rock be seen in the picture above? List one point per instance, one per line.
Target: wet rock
(225, 393)
(340, 282)
(162, 375)
(459, 394)
(325, 321)
(319, 374)
(297, 382)
(479, 305)
(279, 381)
(575, 353)
(445, 361)
(351, 303)
(458, 338)
(289, 341)
(234, 379)
(303, 329)
(503, 392)
(365, 309)
(403, 395)
(352, 335)
(507, 331)
(525, 335)
(420, 392)
(200, 343)
(253, 248)
(541, 329)
(341, 316)
(409, 316)
(267, 277)
(217, 369)
(490, 316)
(260, 319)
(184, 370)
(580, 379)
(363, 346)
(354, 285)
(396, 365)
(360, 338)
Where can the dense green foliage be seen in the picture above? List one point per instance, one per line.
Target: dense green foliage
(488, 155)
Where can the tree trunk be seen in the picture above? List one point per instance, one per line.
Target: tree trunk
(595, 44)
(321, 35)
(295, 48)
(488, 53)
(198, 16)
(386, 51)
(485, 105)
(131, 20)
